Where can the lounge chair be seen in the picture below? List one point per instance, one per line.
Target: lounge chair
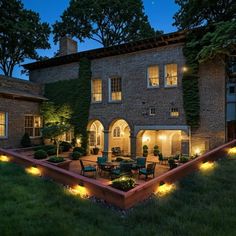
(123, 170)
(101, 165)
(87, 169)
(149, 170)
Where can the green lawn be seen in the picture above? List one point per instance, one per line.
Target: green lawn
(203, 204)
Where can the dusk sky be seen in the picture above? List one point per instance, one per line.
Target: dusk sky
(160, 14)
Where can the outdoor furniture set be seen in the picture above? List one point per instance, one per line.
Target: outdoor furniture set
(117, 169)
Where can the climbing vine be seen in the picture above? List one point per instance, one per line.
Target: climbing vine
(76, 94)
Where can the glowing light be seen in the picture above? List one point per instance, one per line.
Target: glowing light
(185, 69)
(197, 151)
(165, 189)
(33, 171)
(232, 151)
(145, 139)
(162, 137)
(79, 191)
(207, 166)
(4, 158)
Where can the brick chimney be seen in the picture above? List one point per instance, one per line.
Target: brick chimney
(67, 46)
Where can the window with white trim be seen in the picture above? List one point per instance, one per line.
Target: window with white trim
(33, 124)
(152, 111)
(3, 124)
(174, 112)
(171, 78)
(116, 132)
(115, 89)
(153, 76)
(96, 90)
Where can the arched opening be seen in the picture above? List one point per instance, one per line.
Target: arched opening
(119, 139)
(169, 142)
(96, 136)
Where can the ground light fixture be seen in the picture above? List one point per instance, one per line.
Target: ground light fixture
(78, 190)
(4, 158)
(165, 189)
(232, 152)
(33, 171)
(207, 166)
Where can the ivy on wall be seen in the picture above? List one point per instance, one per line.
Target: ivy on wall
(76, 94)
(190, 79)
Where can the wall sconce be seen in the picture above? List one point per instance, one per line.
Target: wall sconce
(185, 68)
(162, 137)
(145, 139)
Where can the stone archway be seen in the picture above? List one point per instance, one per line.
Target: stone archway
(96, 135)
(119, 136)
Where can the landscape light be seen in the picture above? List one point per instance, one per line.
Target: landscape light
(165, 189)
(33, 171)
(4, 158)
(207, 166)
(79, 191)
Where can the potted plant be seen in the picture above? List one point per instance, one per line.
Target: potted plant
(156, 150)
(95, 150)
(145, 150)
(59, 162)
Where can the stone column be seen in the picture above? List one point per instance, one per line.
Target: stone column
(106, 152)
(132, 146)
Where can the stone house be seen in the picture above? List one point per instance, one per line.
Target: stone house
(19, 111)
(137, 96)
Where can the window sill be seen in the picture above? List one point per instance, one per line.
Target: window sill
(96, 102)
(156, 87)
(35, 137)
(169, 87)
(115, 102)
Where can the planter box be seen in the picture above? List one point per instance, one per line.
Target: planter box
(64, 165)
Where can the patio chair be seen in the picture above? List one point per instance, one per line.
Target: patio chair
(87, 169)
(149, 170)
(162, 159)
(116, 151)
(141, 163)
(101, 165)
(123, 170)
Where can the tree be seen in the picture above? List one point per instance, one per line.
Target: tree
(195, 13)
(56, 121)
(108, 22)
(21, 33)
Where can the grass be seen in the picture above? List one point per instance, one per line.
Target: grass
(203, 204)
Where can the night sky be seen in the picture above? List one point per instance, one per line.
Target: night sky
(160, 13)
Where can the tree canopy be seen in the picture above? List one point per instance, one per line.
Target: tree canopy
(195, 13)
(21, 33)
(108, 22)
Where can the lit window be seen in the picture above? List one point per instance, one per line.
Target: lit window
(92, 138)
(115, 89)
(174, 112)
(33, 124)
(96, 90)
(153, 76)
(152, 111)
(116, 132)
(3, 124)
(170, 75)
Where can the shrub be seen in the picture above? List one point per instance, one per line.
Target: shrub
(40, 154)
(65, 146)
(172, 163)
(55, 159)
(183, 159)
(52, 151)
(145, 150)
(156, 150)
(25, 141)
(76, 155)
(80, 150)
(123, 183)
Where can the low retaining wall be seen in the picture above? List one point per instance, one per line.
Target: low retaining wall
(116, 197)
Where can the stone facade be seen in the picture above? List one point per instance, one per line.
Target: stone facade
(18, 98)
(137, 98)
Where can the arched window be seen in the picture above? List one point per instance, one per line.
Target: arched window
(116, 132)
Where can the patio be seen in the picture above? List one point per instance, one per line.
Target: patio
(105, 178)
